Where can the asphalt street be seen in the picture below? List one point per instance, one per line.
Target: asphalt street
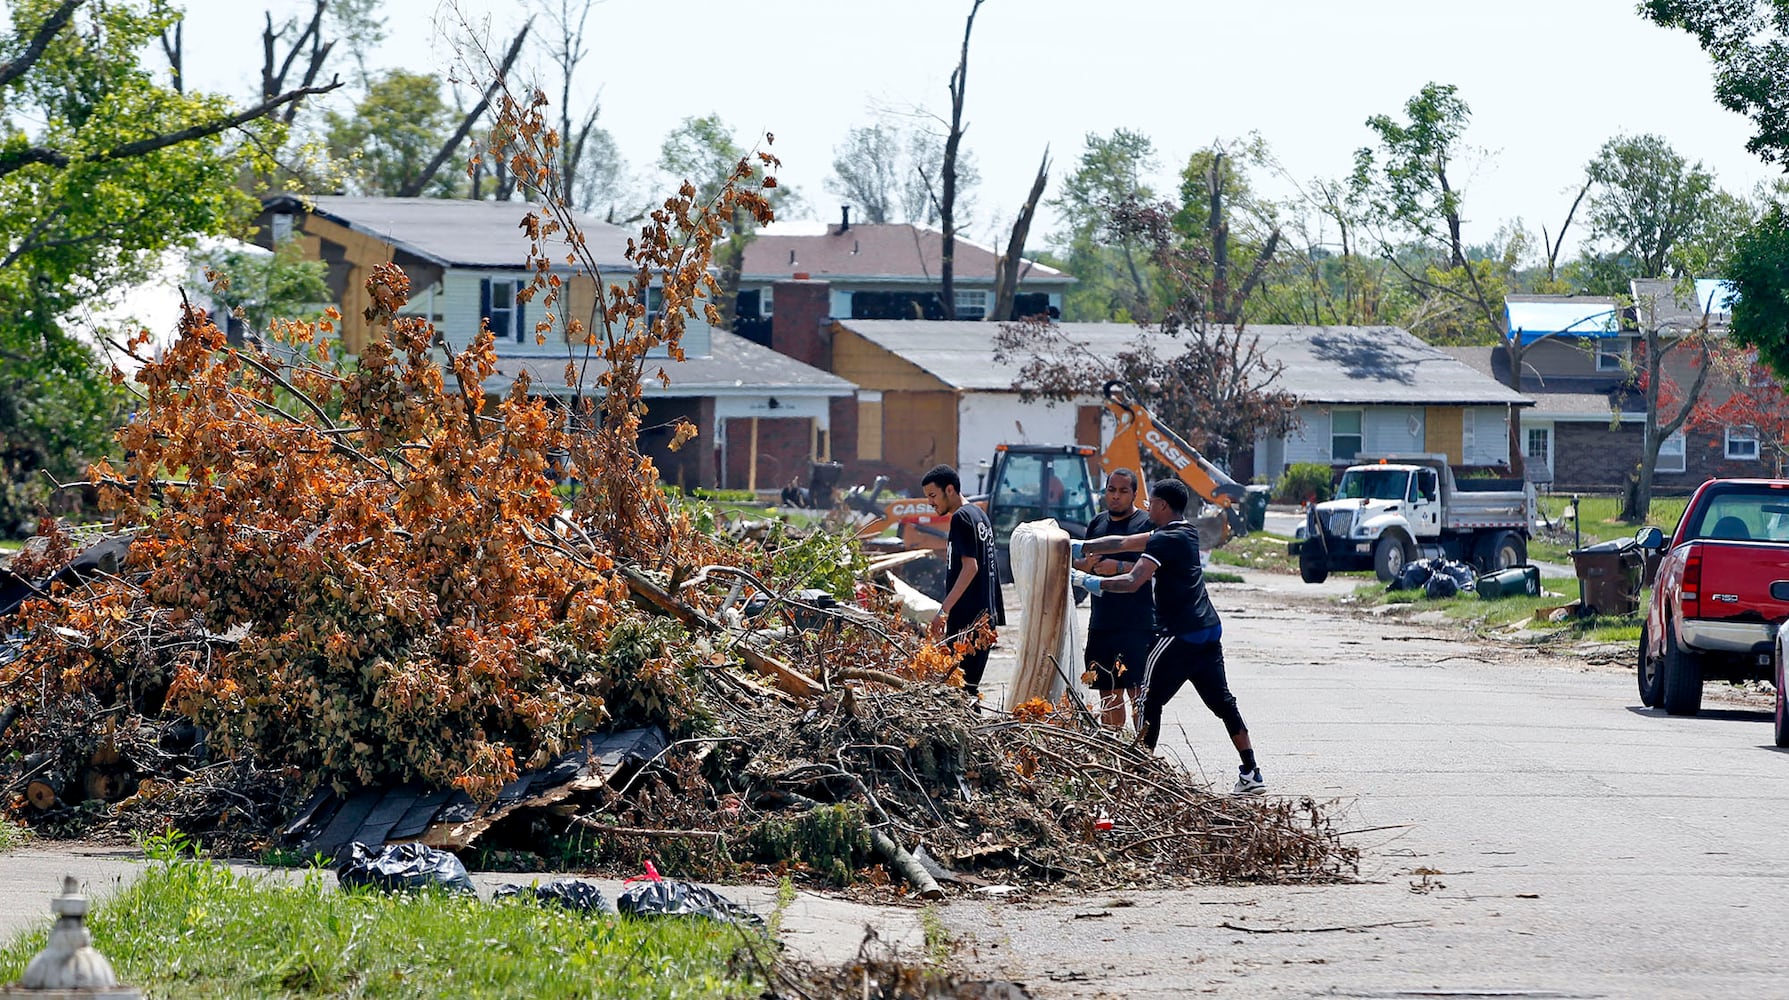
(1527, 831)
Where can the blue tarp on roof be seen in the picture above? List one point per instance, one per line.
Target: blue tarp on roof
(1534, 320)
(1715, 295)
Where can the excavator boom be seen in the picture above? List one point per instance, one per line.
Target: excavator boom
(1138, 430)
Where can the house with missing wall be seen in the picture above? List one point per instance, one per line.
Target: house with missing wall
(882, 271)
(1587, 427)
(931, 391)
(761, 417)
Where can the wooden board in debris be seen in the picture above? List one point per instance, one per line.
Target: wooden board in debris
(450, 819)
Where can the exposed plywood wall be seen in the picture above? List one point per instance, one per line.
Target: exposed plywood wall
(919, 431)
(871, 367)
(1441, 433)
(360, 253)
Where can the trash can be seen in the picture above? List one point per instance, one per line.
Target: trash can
(1517, 581)
(1255, 506)
(823, 478)
(1609, 575)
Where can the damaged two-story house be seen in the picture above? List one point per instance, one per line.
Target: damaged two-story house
(762, 418)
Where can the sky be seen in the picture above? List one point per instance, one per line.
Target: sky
(1548, 82)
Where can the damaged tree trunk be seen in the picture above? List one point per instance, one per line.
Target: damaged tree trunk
(787, 678)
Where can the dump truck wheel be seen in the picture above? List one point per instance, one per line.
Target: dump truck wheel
(1312, 567)
(1389, 557)
(1501, 551)
(1652, 683)
(1682, 670)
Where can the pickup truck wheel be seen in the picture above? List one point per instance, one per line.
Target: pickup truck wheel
(1501, 551)
(1782, 719)
(1313, 567)
(1652, 682)
(1682, 670)
(1389, 557)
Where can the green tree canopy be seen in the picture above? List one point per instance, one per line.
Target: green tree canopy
(103, 167)
(1749, 43)
(1116, 279)
(387, 143)
(1651, 204)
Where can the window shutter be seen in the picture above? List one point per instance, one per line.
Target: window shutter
(524, 334)
(484, 302)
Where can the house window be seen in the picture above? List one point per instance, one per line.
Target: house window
(1611, 355)
(500, 308)
(1671, 454)
(655, 304)
(1540, 453)
(1344, 434)
(1742, 444)
(766, 303)
(971, 303)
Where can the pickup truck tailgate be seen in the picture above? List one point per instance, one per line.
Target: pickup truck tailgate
(1736, 579)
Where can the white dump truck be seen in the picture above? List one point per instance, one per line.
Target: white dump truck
(1402, 508)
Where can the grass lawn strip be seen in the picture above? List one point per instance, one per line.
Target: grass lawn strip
(190, 928)
(1500, 618)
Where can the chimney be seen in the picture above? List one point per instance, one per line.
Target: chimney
(844, 217)
(800, 327)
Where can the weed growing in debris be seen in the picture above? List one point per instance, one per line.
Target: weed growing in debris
(831, 841)
(191, 928)
(12, 835)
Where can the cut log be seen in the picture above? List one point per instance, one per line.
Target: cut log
(910, 869)
(46, 790)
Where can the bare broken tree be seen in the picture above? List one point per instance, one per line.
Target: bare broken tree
(947, 207)
(420, 182)
(309, 42)
(1008, 267)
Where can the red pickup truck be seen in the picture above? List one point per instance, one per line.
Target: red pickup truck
(1721, 591)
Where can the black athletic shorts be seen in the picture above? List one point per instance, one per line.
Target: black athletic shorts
(1117, 656)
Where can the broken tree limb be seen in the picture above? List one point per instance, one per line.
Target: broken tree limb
(786, 677)
(910, 869)
(878, 676)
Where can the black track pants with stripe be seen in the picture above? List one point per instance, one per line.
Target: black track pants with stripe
(1174, 661)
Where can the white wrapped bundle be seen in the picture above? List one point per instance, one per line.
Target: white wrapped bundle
(1049, 651)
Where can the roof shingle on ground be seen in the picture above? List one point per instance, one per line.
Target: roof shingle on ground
(872, 251)
(456, 232)
(734, 366)
(1375, 365)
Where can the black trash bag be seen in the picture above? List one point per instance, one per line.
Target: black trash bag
(1414, 576)
(668, 898)
(1439, 586)
(403, 868)
(572, 894)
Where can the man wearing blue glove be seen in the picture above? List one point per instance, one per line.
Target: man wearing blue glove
(972, 577)
(1189, 635)
(1121, 627)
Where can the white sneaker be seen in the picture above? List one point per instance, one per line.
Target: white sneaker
(1249, 783)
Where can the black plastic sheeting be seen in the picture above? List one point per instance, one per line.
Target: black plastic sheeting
(1436, 578)
(671, 898)
(404, 868)
(573, 894)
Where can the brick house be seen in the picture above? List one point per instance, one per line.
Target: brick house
(881, 271)
(1586, 429)
(761, 417)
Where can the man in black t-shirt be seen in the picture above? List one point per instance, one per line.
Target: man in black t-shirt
(1121, 627)
(1189, 636)
(972, 575)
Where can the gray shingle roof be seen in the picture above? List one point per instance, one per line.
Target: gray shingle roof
(734, 366)
(1566, 397)
(1322, 364)
(456, 232)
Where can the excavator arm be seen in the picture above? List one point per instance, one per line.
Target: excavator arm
(1137, 432)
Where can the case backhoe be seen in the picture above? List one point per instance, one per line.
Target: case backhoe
(1138, 431)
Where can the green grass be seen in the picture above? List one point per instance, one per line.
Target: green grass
(12, 836)
(1599, 520)
(1480, 616)
(189, 928)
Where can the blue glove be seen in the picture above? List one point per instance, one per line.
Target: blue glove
(1086, 581)
(1075, 545)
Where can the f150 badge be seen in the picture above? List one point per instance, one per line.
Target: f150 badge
(1727, 598)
